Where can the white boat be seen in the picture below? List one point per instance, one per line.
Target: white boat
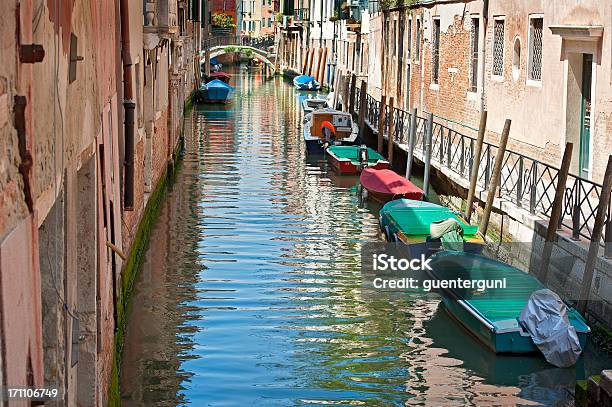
(343, 130)
(308, 105)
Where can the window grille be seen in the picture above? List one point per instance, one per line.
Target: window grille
(436, 52)
(409, 41)
(535, 49)
(474, 59)
(418, 39)
(498, 48)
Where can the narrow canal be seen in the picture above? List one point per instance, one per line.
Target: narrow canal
(250, 292)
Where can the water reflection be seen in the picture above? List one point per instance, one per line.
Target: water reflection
(250, 293)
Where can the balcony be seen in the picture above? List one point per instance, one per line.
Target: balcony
(160, 21)
(301, 15)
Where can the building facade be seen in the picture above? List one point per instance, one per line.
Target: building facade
(91, 108)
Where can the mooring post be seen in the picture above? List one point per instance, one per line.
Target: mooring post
(499, 160)
(310, 58)
(351, 105)
(391, 138)
(556, 212)
(318, 67)
(336, 90)
(427, 146)
(381, 123)
(207, 63)
(347, 91)
(411, 138)
(482, 129)
(600, 219)
(362, 108)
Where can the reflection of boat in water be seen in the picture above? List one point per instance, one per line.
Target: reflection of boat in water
(352, 159)
(492, 315)
(215, 91)
(412, 223)
(305, 82)
(328, 127)
(503, 370)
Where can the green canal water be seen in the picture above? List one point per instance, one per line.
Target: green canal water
(250, 290)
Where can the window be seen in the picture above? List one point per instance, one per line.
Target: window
(435, 57)
(409, 41)
(269, 22)
(535, 48)
(498, 47)
(394, 37)
(516, 58)
(418, 39)
(474, 57)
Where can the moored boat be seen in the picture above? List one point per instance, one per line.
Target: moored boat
(222, 76)
(494, 316)
(215, 91)
(305, 82)
(385, 185)
(352, 159)
(425, 228)
(326, 127)
(309, 105)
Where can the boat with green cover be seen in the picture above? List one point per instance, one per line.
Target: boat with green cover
(352, 159)
(410, 222)
(492, 315)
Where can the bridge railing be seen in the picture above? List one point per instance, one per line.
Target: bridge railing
(525, 181)
(262, 43)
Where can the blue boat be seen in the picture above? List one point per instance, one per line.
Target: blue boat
(305, 82)
(215, 91)
(492, 316)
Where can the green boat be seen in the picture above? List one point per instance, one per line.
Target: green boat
(409, 222)
(349, 159)
(492, 315)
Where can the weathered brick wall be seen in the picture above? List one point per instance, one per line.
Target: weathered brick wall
(160, 146)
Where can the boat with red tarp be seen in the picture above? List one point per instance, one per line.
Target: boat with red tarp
(385, 185)
(222, 76)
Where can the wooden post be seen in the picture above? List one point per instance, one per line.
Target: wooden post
(499, 160)
(428, 138)
(305, 54)
(362, 108)
(390, 140)
(318, 68)
(337, 89)
(310, 58)
(482, 129)
(347, 91)
(555, 213)
(351, 105)
(600, 218)
(381, 123)
(322, 69)
(411, 140)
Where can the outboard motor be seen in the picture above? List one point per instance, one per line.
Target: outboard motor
(363, 155)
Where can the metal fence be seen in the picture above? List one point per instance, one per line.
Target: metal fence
(262, 43)
(527, 182)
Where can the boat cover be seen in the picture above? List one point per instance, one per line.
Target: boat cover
(389, 182)
(303, 79)
(545, 318)
(218, 90)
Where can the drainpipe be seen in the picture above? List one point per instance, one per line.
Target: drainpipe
(129, 106)
(483, 53)
(321, 27)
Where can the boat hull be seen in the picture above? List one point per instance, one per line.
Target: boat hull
(346, 167)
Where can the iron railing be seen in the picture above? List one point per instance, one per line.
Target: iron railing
(526, 181)
(262, 43)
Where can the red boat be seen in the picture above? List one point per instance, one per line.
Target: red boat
(222, 76)
(387, 185)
